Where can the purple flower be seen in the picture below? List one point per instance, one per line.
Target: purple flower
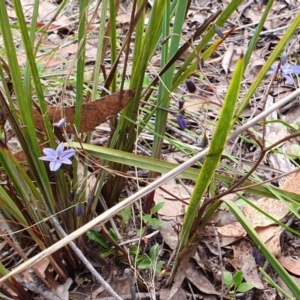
(79, 209)
(60, 123)
(219, 31)
(71, 196)
(258, 258)
(181, 121)
(57, 157)
(285, 70)
(180, 104)
(203, 142)
(190, 85)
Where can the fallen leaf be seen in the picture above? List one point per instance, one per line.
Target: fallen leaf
(123, 18)
(235, 229)
(271, 237)
(292, 183)
(275, 208)
(227, 57)
(168, 233)
(222, 217)
(93, 113)
(197, 278)
(63, 290)
(39, 268)
(256, 65)
(290, 264)
(172, 207)
(181, 270)
(243, 260)
(165, 294)
(119, 284)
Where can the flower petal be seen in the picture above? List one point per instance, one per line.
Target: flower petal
(181, 122)
(47, 158)
(273, 69)
(289, 79)
(79, 209)
(283, 58)
(67, 154)
(49, 152)
(55, 165)
(66, 161)
(60, 149)
(286, 69)
(296, 69)
(61, 123)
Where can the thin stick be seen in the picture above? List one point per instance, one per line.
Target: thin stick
(88, 265)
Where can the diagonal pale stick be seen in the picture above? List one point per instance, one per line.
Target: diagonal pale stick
(93, 113)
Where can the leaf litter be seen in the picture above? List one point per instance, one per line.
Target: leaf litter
(236, 250)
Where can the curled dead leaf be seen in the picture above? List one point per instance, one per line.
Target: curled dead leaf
(227, 58)
(290, 264)
(93, 113)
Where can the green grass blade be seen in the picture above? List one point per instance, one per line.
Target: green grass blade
(256, 34)
(83, 7)
(214, 153)
(163, 99)
(27, 136)
(113, 39)
(156, 165)
(187, 66)
(125, 134)
(274, 284)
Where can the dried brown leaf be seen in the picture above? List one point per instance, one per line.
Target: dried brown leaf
(271, 237)
(197, 277)
(234, 229)
(273, 207)
(165, 294)
(63, 290)
(172, 206)
(227, 57)
(168, 233)
(243, 260)
(290, 264)
(93, 113)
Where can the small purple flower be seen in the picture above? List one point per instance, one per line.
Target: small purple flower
(71, 196)
(60, 123)
(79, 209)
(57, 157)
(257, 256)
(219, 31)
(203, 142)
(181, 122)
(285, 70)
(191, 87)
(180, 104)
